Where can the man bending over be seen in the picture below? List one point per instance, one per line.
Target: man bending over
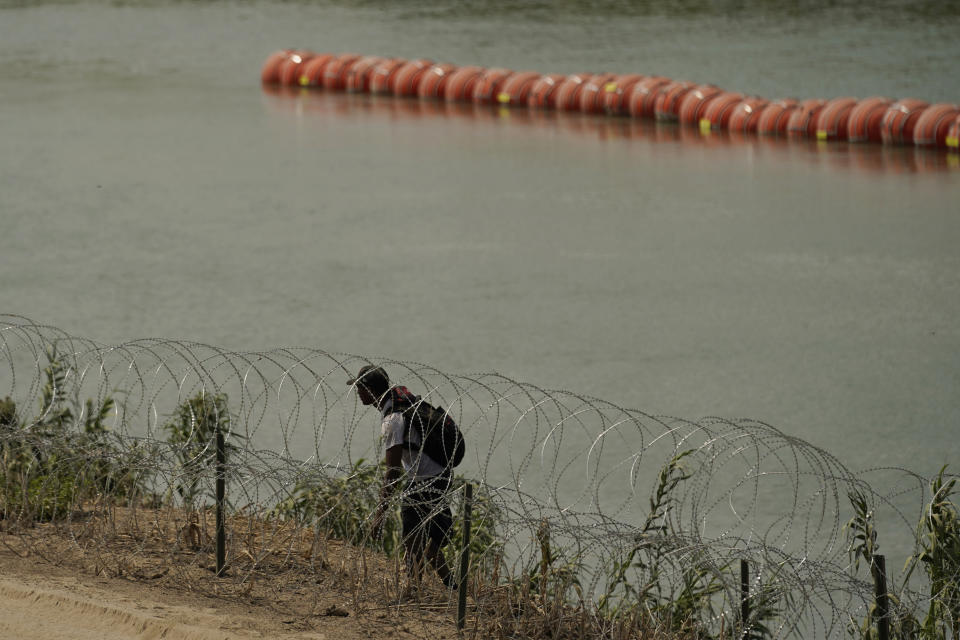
(424, 508)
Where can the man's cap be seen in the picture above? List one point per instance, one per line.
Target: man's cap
(374, 378)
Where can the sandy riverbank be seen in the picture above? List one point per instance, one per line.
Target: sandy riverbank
(42, 598)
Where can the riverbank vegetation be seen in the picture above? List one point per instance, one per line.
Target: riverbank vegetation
(71, 488)
(937, 555)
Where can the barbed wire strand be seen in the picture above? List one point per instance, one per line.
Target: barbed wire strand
(584, 508)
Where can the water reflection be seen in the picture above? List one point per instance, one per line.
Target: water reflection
(301, 103)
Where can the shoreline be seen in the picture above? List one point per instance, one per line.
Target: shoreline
(50, 588)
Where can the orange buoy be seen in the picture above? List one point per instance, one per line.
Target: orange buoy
(488, 85)
(832, 119)
(516, 89)
(803, 119)
(591, 95)
(360, 73)
(460, 84)
(615, 91)
(667, 104)
(381, 78)
(335, 73)
(543, 93)
(773, 117)
(864, 122)
(643, 94)
(434, 80)
(933, 124)
(872, 119)
(311, 71)
(899, 120)
(290, 67)
(270, 71)
(717, 110)
(746, 115)
(568, 91)
(953, 135)
(692, 104)
(408, 76)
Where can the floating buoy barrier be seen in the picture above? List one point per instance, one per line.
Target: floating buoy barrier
(691, 107)
(270, 72)
(543, 93)
(591, 96)
(933, 125)
(773, 119)
(614, 93)
(359, 75)
(335, 72)
(460, 84)
(516, 90)
(832, 119)
(864, 123)
(489, 84)
(381, 78)
(746, 115)
(289, 69)
(899, 121)
(718, 109)
(433, 83)
(407, 78)
(311, 71)
(953, 134)
(667, 104)
(643, 95)
(803, 119)
(568, 92)
(907, 121)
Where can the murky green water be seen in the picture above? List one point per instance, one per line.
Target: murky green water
(149, 187)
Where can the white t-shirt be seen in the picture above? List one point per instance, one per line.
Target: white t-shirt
(418, 465)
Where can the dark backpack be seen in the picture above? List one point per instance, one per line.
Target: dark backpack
(440, 436)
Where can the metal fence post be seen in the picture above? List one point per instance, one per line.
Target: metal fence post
(221, 490)
(464, 557)
(882, 611)
(744, 599)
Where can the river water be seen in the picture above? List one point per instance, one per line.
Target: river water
(149, 187)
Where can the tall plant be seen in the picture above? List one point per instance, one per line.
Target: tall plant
(343, 505)
(682, 606)
(938, 535)
(863, 546)
(486, 547)
(64, 456)
(192, 431)
(646, 551)
(938, 552)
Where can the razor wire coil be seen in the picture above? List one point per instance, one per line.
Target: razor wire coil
(610, 504)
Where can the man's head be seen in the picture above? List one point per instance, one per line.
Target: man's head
(372, 383)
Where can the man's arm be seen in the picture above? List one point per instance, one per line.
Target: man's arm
(391, 479)
(394, 470)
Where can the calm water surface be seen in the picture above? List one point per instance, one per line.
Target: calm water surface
(148, 187)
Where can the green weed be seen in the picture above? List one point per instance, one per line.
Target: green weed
(192, 433)
(938, 552)
(64, 456)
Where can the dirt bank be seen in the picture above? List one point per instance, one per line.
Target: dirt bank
(49, 591)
